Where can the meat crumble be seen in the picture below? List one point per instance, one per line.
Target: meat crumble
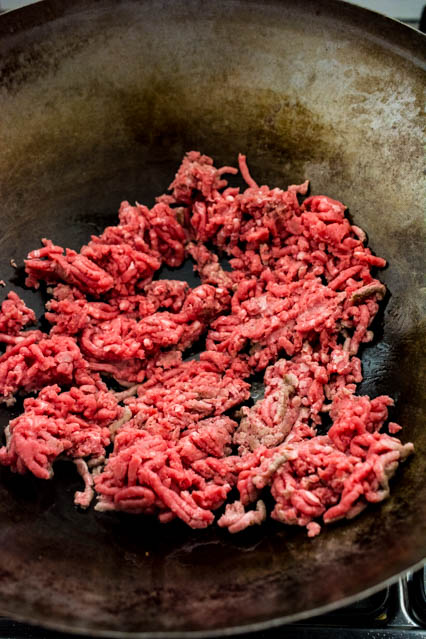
(181, 434)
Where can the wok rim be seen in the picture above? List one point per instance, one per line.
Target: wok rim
(48, 11)
(258, 626)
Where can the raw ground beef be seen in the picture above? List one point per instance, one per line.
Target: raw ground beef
(296, 306)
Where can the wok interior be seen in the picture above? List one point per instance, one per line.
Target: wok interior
(99, 102)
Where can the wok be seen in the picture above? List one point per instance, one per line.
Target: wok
(99, 100)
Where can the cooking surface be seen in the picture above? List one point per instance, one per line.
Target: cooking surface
(396, 612)
(405, 10)
(111, 140)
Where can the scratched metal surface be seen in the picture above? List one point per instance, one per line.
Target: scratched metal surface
(99, 100)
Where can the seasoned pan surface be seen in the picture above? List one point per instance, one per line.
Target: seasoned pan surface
(99, 100)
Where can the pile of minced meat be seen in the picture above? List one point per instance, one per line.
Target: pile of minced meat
(296, 305)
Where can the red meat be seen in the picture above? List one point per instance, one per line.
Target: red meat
(51, 264)
(299, 301)
(149, 474)
(14, 315)
(38, 360)
(332, 476)
(72, 423)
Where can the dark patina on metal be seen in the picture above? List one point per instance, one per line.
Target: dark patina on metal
(98, 101)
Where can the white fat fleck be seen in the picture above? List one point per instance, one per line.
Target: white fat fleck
(115, 426)
(83, 498)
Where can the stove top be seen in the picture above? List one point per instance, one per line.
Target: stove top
(396, 612)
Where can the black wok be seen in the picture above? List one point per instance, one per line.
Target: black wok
(98, 102)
